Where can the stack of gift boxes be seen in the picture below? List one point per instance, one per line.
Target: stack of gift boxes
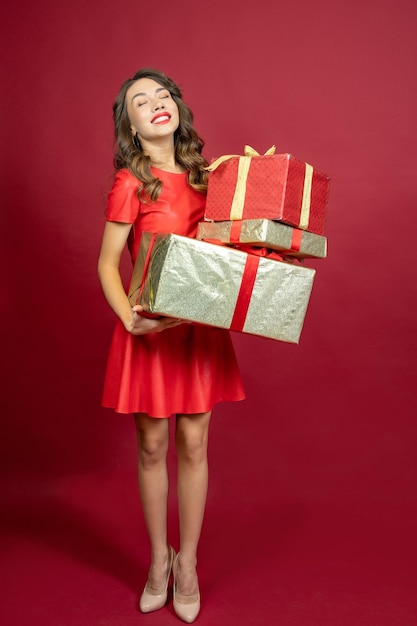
(260, 210)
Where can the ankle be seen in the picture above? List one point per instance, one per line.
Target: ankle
(187, 560)
(186, 579)
(160, 555)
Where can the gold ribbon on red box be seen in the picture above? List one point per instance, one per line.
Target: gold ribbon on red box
(238, 202)
(236, 210)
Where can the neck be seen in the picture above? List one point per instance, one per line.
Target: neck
(165, 162)
(162, 156)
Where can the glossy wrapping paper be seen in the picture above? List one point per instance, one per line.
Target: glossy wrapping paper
(273, 186)
(262, 232)
(204, 282)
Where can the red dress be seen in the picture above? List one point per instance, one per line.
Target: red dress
(185, 369)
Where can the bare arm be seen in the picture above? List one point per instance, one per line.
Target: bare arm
(114, 240)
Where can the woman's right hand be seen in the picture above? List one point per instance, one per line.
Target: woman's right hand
(141, 325)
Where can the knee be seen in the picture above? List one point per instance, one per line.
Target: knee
(192, 448)
(153, 437)
(152, 450)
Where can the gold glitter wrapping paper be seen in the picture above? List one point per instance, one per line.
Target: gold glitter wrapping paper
(200, 282)
(263, 232)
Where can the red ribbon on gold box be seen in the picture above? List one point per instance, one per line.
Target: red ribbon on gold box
(271, 234)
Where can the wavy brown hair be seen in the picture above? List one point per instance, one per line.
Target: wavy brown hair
(187, 143)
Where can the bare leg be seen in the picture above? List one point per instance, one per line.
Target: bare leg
(191, 442)
(153, 440)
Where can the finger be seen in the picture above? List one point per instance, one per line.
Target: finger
(169, 323)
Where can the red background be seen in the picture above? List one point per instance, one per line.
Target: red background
(312, 507)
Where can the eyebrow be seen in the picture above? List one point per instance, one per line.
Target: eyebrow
(143, 93)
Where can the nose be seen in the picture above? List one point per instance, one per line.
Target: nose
(158, 104)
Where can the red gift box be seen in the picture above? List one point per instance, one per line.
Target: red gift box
(271, 186)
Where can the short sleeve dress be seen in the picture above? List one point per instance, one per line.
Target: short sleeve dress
(181, 370)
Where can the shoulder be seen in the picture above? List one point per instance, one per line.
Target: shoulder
(122, 202)
(125, 179)
(125, 185)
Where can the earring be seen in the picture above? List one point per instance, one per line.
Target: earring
(136, 142)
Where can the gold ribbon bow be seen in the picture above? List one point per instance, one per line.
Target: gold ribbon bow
(249, 152)
(236, 210)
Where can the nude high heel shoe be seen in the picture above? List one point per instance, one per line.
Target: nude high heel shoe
(152, 599)
(187, 608)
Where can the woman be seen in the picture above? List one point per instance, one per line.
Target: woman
(162, 367)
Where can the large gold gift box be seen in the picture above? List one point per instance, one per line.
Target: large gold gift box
(220, 286)
(263, 232)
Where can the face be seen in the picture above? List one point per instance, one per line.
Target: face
(152, 112)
